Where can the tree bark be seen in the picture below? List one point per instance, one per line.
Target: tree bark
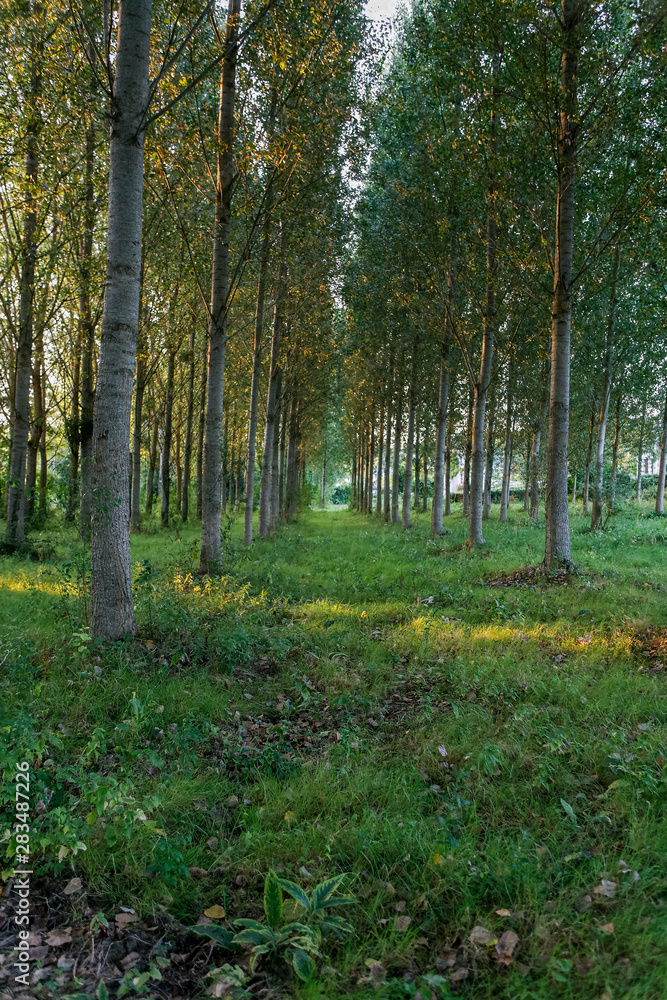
(611, 493)
(468, 453)
(87, 340)
(210, 559)
(111, 589)
(557, 545)
(660, 494)
(589, 453)
(425, 460)
(291, 485)
(150, 484)
(272, 401)
(387, 464)
(189, 421)
(416, 462)
(488, 474)
(165, 470)
(274, 497)
(74, 433)
(397, 456)
(378, 488)
(16, 498)
(505, 489)
(607, 379)
(640, 450)
(135, 511)
(407, 479)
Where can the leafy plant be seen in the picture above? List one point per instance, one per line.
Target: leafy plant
(315, 906)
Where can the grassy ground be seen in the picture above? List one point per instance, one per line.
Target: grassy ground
(355, 698)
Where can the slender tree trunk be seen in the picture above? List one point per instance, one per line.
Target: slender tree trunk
(38, 418)
(416, 463)
(557, 546)
(607, 379)
(166, 441)
(292, 486)
(189, 420)
(225, 462)
(589, 454)
(87, 340)
(611, 493)
(387, 464)
(254, 384)
(272, 401)
(425, 460)
(640, 450)
(135, 510)
(574, 488)
(43, 463)
(378, 488)
(468, 453)
(111, 589)
(505, 489)
(407, 480)
(177, 458)
(23, 370)
(210, 559)
(74, 433)
(397, 456)
(448, 456)
(201, 428)
(150, 484)
(660, 494)
(526, 488)
(486, 510)
(281, 473)
(274, 499)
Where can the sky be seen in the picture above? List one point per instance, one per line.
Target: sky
(381, 9)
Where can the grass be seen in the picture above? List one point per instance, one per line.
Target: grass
(355, 698)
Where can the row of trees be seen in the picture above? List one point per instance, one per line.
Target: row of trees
(203, 161)
(510, 235)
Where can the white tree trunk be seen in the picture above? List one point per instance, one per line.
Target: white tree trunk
(111, 590)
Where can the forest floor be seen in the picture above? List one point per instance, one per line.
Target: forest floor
(482, 753)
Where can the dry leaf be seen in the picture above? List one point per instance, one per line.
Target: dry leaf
(458, 974)
(480, 935)
(289, 816)
(605, 888)
(607, 928)
(402, 923)
(446, 960)
(197, 872)
(215, 911)
(503, 913)
(123, 919)
(57, 938)
(72, 886)
(506, 945)
(400, 906)
(442, 751)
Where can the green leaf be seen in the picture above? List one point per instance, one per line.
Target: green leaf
(570, 811)
(102, 991)
(273, 900)
(295, 891)
(324, 891)
(249, 936)
(248, 922)
(303, 964)
(216, 933)
(337, 925)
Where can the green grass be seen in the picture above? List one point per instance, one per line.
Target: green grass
(315, 684)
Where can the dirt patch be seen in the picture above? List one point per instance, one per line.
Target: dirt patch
(650, 647)
(529, 576)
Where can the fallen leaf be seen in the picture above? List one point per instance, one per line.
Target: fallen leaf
(400, 906)
(607, 928)
(503, 913)
(72, 886)
(402, 923)
(442, 751)
(123, 919)
(197, 872)
(57, 938)
(623, 867)
(480, 935)
(458, 974)
(289, 816)
(213, 843)
(378, 971)
(506, 945)
(233, 801)
(216, 912)
(446, 960)
(605, 888)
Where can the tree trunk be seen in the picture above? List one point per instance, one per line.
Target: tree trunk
(74, 433)
(165, 471)
(111, 588)
(486, 510)
(526, 488)
(201, 427)
(210, 559)
(274, 497)
(574, 488)
(189, 420)
(28, 254)
(607, 379)
(272, 401)
(416, 463)
(557, 545)
(87, 340)
(254, 384)
(640, 450)
(378, 488)
(177, 458)
(291, 485)
(468, 452)
(397, 456)
(135, 510)
(660, 494)
(281, 471)
(589, 453)
(43, 463)
(611, 493)
(505, 489)
(387, 465)
(425, 460)
(150, 484)
(407, 479)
